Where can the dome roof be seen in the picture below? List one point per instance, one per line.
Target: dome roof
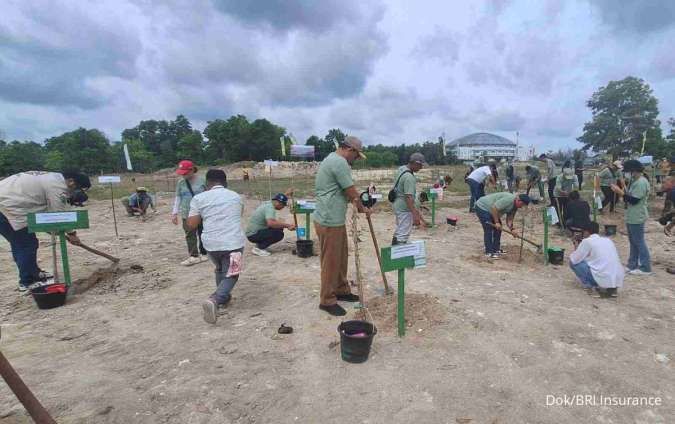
(481, 139)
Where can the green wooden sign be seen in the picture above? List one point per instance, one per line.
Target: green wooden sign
(389, 264)
(49, 222)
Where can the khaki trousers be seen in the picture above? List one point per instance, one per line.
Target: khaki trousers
(334, 257)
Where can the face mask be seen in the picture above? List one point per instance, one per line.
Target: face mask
(77, 197)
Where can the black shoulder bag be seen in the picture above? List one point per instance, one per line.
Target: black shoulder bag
(392, 193)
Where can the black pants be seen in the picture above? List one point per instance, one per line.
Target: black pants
(610, 198)
(551, 186)
(580, 177)
(267, 237)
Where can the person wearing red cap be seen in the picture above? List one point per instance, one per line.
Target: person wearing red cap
(186, 188)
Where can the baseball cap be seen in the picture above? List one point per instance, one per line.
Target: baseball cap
(633, 166)
(419, 158)
(280, 197)
(184, 167)
(141, 189)
(354, 143)
(618, 164)
(524, 198)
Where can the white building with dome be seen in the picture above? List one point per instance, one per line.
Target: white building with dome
(482, 145)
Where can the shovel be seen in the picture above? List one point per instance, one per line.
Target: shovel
(538, 246)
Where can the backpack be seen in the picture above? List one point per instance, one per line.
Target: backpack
(392, 193)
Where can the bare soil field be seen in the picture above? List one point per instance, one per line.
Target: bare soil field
(487, 341)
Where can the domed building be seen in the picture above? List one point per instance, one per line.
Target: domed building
(482, 145)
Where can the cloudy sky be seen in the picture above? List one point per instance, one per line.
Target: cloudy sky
(390, 71)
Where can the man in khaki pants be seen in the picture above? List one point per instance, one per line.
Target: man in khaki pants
(334, 190)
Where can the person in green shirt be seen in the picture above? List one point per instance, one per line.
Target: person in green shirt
(534, 179)
(264, 229)
(489, 210)
(608, 176)
(565, 183)
(186, 188)
(636, 196)
(406, 211)
(334, 189)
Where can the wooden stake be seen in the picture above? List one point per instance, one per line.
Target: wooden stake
(387, 290)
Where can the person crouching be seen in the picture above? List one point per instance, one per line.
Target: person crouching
(219, 210)
(264, 229)
(596, 263)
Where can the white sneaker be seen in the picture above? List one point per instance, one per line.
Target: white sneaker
(203, 258)
(638, 271)
(192, 260)
(260, 252)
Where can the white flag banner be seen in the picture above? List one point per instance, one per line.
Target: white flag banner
(126, 157)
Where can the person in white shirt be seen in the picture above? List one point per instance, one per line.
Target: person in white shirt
(477, 180)
(596, 263)
(219, 210)
(32, 192)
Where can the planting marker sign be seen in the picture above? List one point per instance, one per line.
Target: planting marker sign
(398, 258)
(111, 179)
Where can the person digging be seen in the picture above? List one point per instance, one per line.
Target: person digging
(264, 229)
(138, 202)
(334, 188)
(36, 191)
(489, 210)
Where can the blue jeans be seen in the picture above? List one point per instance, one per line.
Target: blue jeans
(224, 284)
(491, 236)
(583, 272)
(477, 191)
(24, 251)
(638, 248)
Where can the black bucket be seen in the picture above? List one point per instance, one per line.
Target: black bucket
(356, 337)
(610, 230)
(305, 248)
(45, 300)
(451, 220)
(556, 255)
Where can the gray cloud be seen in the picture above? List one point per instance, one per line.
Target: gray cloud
(442, 45)
(46, 59)
(636, 16)
(282, 15)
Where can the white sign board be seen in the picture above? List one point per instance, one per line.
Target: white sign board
(404, 250)
(421, 256)
(269, 162)
(109, 179)
(376, 196)
(55, 217)
(306, 204)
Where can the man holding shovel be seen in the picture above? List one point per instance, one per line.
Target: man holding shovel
(334, 189)
(565, 183)
(405, 208)
(36, 191)
(489, 210)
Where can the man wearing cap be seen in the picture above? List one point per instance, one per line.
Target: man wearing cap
(596, 263)
(405, 208)
(187, 187)
(636, 214)
(534, 179)
(565, 183)
(219, 210)
(489, 210)
(264, 229)
(334, 189)
(138, 202)
(609, 176)
(33, 192)
(551, 175)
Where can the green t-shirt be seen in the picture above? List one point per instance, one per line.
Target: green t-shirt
(607, 177)
(332, 178)
(503, 201)
(184, 196)
(406, 185)
(638, 214)
(259, 218)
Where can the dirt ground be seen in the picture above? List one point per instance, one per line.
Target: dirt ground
(487, 342)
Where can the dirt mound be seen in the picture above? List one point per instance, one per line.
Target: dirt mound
(422, 312)
(510, 258)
